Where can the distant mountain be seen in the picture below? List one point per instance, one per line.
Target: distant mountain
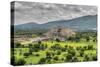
(26, 26)
(82, 23)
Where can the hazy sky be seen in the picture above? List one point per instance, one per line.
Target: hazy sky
(26, 12)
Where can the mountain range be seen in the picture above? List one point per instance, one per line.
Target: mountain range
(80, 24)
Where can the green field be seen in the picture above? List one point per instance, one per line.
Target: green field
(79, 48)
(55, 52)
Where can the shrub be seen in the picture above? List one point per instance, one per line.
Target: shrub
(78, 48)
(70, 47)
(26, 54)
(57, 40)
(85, 47)
(70, 38)
(64, 54)
(13, 60)
(71, 51)
(87, 39)
(86, 58)
(64, 49)
(74, 59)
(52, 53)
(17, 45)
(90, 47)
(20, 51)
(58, 52)
(30, 45)
(62, 59)
(43, 47)
(36, 50)
(37, 46)
(82, 49)
(94, 40)
(94, 58)
(66, 46)
(81, 53)
(37, 55)
(39, 42)
(56, 47)
(68, 57)
(20, 62)
(49, 61)
(30, 50)
(48, 54)
(56, 58)
(77, 39)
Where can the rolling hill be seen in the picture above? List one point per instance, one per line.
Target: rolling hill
(80, 24)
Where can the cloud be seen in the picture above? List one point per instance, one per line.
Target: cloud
(44, 12)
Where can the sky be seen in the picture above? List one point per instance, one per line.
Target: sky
(26, 12)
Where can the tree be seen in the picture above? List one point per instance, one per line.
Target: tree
(49, 61)
(70, 38)
(90, 47)
(30, 45)
(66, 46)
(94, 58)
(68, 57)
(94, 40)
(56, 58)
(30, 50)
(43, 46)
(26, 54)
(74, 59)
(20, 62)
(48, 54)
(13, 60)
(85, 47)
(36, 47)
(77, 39)
(58, 52)
(81, 53)
(64, 49)
(62, 59)
(56, 47)
(86, 58)
(20, 50)
(57, 40)
(42, 61)
(37, 55)
(71, 51)
(17, 45)
(87, 39)
(39, 42)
